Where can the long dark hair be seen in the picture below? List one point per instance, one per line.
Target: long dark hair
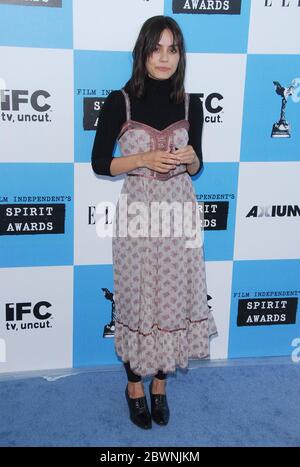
(146, 43)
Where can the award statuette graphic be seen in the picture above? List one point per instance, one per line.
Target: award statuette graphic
(282, 128)
(109, 329)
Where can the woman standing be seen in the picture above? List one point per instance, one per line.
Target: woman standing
(162, 315)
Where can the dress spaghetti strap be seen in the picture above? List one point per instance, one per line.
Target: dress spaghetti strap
(186, 105)
(127, 102)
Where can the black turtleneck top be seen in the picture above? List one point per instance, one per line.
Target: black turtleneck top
(154, 109)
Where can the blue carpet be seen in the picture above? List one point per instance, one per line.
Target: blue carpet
(211, 405)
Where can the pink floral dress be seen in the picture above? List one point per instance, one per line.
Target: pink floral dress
(160, 293)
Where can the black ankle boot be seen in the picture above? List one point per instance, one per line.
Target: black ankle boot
(139, 412)
(159, 407)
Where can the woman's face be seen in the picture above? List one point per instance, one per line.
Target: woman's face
(163, 61)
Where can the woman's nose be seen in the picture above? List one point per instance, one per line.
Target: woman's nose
(164, 55)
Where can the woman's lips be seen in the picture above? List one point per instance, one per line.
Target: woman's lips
(161, 68)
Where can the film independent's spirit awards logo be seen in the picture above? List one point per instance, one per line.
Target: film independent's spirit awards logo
(32, 219)
(266, 311)
(282, 128)
(45, 3)
(207, 7)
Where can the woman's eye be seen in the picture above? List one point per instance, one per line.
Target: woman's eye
(174, 50)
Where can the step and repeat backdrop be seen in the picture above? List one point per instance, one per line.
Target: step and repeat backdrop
(59, 59)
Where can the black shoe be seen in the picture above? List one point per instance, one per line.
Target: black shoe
(159, 407)
(139, 412)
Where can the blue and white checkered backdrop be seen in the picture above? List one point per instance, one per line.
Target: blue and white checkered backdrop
(59, 59)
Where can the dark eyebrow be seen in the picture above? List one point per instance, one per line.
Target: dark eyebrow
(172, 45)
